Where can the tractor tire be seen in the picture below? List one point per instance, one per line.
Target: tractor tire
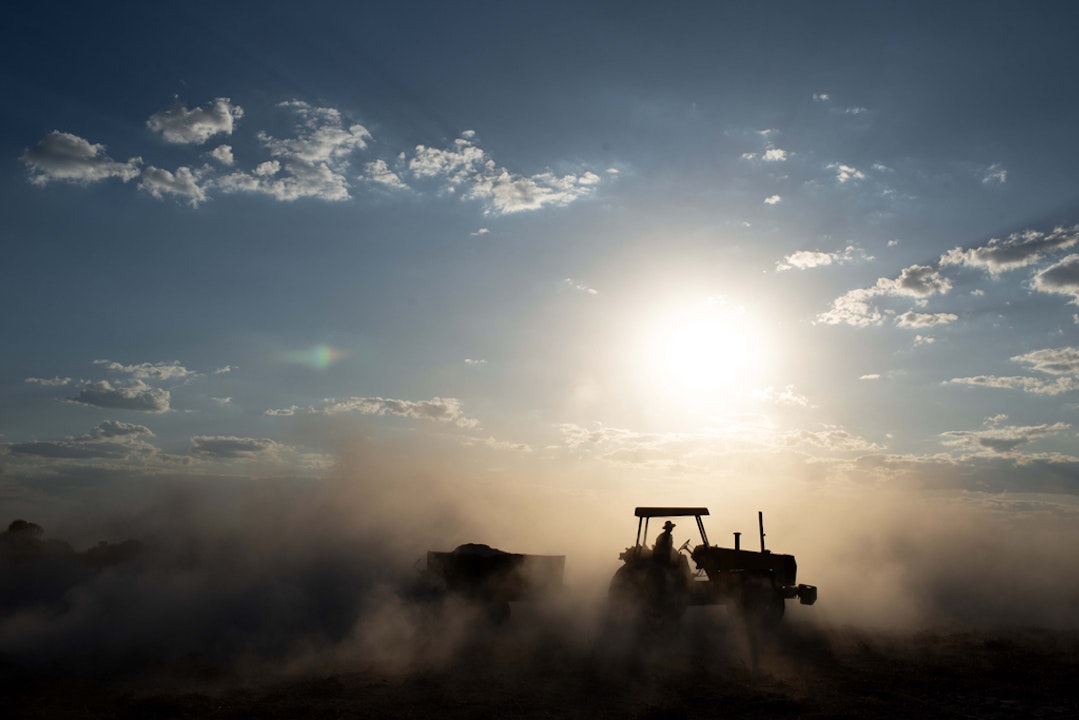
(651, 594)
(759, 604)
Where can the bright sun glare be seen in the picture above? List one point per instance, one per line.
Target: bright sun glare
(700, 350)
(705, 353)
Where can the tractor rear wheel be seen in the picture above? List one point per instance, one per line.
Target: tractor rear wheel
(759, 604)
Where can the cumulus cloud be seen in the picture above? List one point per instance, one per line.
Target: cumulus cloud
(380, 173)
(1058, 361)
(1036, 386)
(314, 162)
(109, 440)
(184, 184)
(772, 199)
(171, 370)
(912, 319)
(197, 125)
(49, 382)
(1017, 250)
(916, 281)
(437, 409)
(870, 376)
(846, 173)
(775, 155)
(227, 447)
(831, 439)
(1061, 278)
(465, 168)
(807, 259)
(1003, 440)
(134, 396)
(69, 158)
(223, 154)
(1062, 362)
(311, 163)
(854, 308)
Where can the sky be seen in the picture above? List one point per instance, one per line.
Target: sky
(639, 253)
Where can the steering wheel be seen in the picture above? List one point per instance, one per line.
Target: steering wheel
(685, 546)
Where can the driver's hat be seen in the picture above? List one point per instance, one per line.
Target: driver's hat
(668, 525)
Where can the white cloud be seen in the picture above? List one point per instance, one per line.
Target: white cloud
(379, 173)
(481, 231)
(788, 396)
(228, 447)
(172, 370)
(136, 395)
(1017, 250)
(846, 173)
(775, 155)
(1061, 278)
(507, 193)
(223, 154)
(183, 183)
(475, 361)
(870, 376)
(69, 158)
(832, 438)
(854, 307)
(1035, 386)
(1001, 440)
(916, 281)
(772, 199)
(109, 440)
(437, 409)
(995, 174)
(821, 97)
(1058, 361)
(49, 382)
(581, 287)
(311, 163)
(804, 259)
(465, 168)
(923, 320)
(193, 127)
(1062, 362)
(496, 444)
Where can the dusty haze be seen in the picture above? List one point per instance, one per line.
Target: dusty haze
(299, 574)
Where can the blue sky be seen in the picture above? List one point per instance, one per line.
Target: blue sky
(656, 252)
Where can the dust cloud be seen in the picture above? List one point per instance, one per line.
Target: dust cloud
(291, 577)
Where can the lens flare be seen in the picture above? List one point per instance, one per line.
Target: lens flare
(319, 357)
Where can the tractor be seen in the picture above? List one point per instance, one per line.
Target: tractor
(755, 585)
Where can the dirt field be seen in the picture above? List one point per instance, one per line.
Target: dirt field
(708, 669)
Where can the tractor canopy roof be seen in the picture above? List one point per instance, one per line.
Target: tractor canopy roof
(649, 512)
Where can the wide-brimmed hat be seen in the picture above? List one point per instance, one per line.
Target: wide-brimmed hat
(668, 525)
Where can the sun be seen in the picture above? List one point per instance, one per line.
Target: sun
(705, 353)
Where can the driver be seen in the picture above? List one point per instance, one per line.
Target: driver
(664, 547)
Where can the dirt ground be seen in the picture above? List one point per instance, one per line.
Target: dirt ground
(708, 668)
